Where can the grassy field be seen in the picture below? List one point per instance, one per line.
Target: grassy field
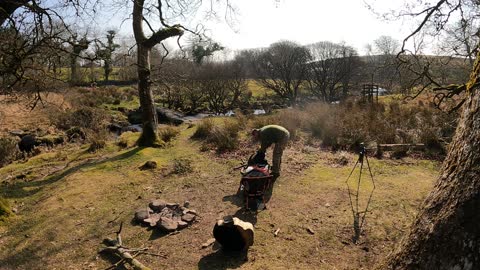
(69, 200)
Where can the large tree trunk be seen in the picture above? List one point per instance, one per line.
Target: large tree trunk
(149, 114)
(446, 233)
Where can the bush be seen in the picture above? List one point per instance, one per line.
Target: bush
(8, 151)
(221, 137)
(168, 133)
(204, 129)
(225, 138)
(97, 141)
(84, 118)
(182, 166)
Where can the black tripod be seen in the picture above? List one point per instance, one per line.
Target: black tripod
(359, 216)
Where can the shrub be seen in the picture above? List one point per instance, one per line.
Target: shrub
(182, 166)
(85, 118)
(225, 138)
(168, 133)
(97, 142)
(204, 129)
(222, 137)
(8, 151)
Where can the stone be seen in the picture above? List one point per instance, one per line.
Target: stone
(172, 205)
(182, 224)
(157, 205)
(149, 165)
(189, 211)
(208, 243)
(310, 231)
(153, 219)
(141, 214)
(188, 218)
(327, 205)
(27, 143)
(167, 224)
(186, 204)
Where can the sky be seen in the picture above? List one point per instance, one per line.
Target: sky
(260, 23)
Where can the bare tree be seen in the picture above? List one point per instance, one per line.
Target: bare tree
(331, 69)
(282, 68)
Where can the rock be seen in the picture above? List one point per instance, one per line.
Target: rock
(153, 219)
(141, 214)
(167, 224)
(131, 128)
(190, 211)
(327, 205)
(19, 133)
(157, 205)
(172, 205)
(186, 204)
(165, 116)
(208, 243)
(27, 143)
(182, 224)
(188, 218)
(149, 165)
(50, 140)
(310, 231)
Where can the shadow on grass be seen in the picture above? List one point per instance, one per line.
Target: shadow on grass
(113, 259)
(223, 260)
(25, 189)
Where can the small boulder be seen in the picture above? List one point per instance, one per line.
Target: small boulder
(141, 214)
(157, 205)
(149, 165)
(172, 205)
(27, 143)
(182, 224)
(153, 220)
(167, 224)
(188, 218)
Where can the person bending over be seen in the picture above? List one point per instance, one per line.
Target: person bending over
(272, 134)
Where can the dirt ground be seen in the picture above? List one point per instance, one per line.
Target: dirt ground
(68, 201)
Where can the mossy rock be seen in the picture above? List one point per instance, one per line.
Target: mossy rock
(50, 140)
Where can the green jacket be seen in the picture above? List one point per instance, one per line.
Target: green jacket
(272, 134)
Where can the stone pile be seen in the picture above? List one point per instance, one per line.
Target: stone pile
(168, 217)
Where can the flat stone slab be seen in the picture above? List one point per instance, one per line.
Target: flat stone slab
(167, 224)
(157, 205)
(188, 218)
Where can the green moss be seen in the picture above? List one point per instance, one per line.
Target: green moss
(5, 211)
